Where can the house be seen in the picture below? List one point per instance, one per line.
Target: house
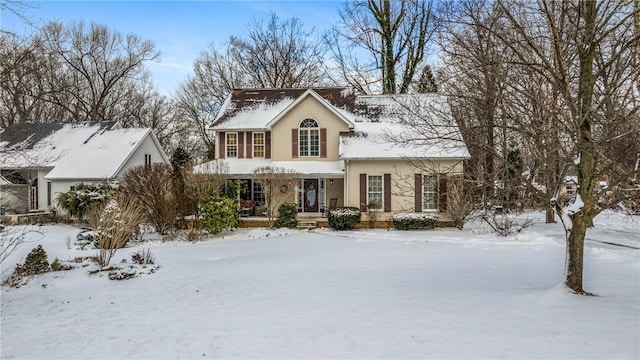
(348, 149)
(39, 161)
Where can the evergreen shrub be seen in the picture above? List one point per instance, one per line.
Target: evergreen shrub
(287, 216)
(217, 214)
(344, 218)
(77, 202)
(36, 262)
(414, 221)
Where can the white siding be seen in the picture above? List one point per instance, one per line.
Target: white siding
(147, 147)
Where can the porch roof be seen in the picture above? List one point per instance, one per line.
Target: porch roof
(245, 167)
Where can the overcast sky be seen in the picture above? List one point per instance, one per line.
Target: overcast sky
(180, 29)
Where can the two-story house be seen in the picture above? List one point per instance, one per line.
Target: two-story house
(349, 149)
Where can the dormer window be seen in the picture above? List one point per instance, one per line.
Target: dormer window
(309, 138)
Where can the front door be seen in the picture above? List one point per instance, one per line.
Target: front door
(311, 195)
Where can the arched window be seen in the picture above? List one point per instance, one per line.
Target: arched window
(309, 138)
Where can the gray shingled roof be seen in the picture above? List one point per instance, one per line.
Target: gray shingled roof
(33, 133)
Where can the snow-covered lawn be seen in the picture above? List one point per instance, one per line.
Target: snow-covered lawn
(256, 293)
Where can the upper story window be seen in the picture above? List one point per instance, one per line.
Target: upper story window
(429, 192)
(309, 138)
(232, 144)
(147, 159)
(258, 144)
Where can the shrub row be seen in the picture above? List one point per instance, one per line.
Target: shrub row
(344, 218)
(414, 221)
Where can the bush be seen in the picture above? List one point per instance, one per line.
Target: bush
(116, 226)
(151, 187)
(287, 216)
(77, 202)
(344, 218)
(414, 221)
(217, 214)
(36, 262)
(142, 257)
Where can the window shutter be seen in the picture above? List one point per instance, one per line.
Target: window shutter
(249, 152)
(222, 146)
(323, 142)
(387, 193)
(294, 143)
(442, 193)
(267, 145)
(240, 145)
(363, 192)
(418, 193)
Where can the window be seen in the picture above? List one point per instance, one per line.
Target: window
(258, 145)
(232, 145)
(258, 194)
(374, 192)
(72, 188)
(309, 138)
(147, 159)
(48, 193)
(429, 192)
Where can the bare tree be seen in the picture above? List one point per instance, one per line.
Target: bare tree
(394, 35)
(278, 53)
(584, 51)
(275, 182)
(474, 81)
(95, 62)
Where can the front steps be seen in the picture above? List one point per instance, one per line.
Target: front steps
(307, 224)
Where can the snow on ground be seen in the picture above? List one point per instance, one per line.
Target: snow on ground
(257, 293)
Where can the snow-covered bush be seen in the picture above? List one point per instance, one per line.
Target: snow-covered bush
(77, 202)
(287, 216)
(217, 214)
(344, 218)
(414, 221)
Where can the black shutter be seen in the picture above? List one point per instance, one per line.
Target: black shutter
(418, 193)
(387, 193)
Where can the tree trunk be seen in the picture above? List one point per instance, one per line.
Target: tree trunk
(575, 252)
(586, 154)
(550, 215)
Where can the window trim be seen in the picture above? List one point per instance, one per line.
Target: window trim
(381, 192)
(227, 147)
(435, 192)
(263, 145)
(308, 131)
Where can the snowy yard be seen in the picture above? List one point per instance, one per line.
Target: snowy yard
(323, 294)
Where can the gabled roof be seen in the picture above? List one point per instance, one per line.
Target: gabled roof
(257, 108)
(72, 151)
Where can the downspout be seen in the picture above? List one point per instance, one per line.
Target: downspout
(346, 184)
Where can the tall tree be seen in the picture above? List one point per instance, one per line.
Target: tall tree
(474, 81)
(94, 64)
(391, 36)
(278, 53)
(583, 50)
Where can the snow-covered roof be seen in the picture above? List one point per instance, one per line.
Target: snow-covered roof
(246, 166)
(403, 126)
(383, 126)
(252, 109)
(76, 151)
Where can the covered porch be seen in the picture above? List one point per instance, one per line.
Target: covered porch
(319, 187)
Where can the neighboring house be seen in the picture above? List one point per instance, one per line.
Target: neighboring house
(39, 161)
(340, 144)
